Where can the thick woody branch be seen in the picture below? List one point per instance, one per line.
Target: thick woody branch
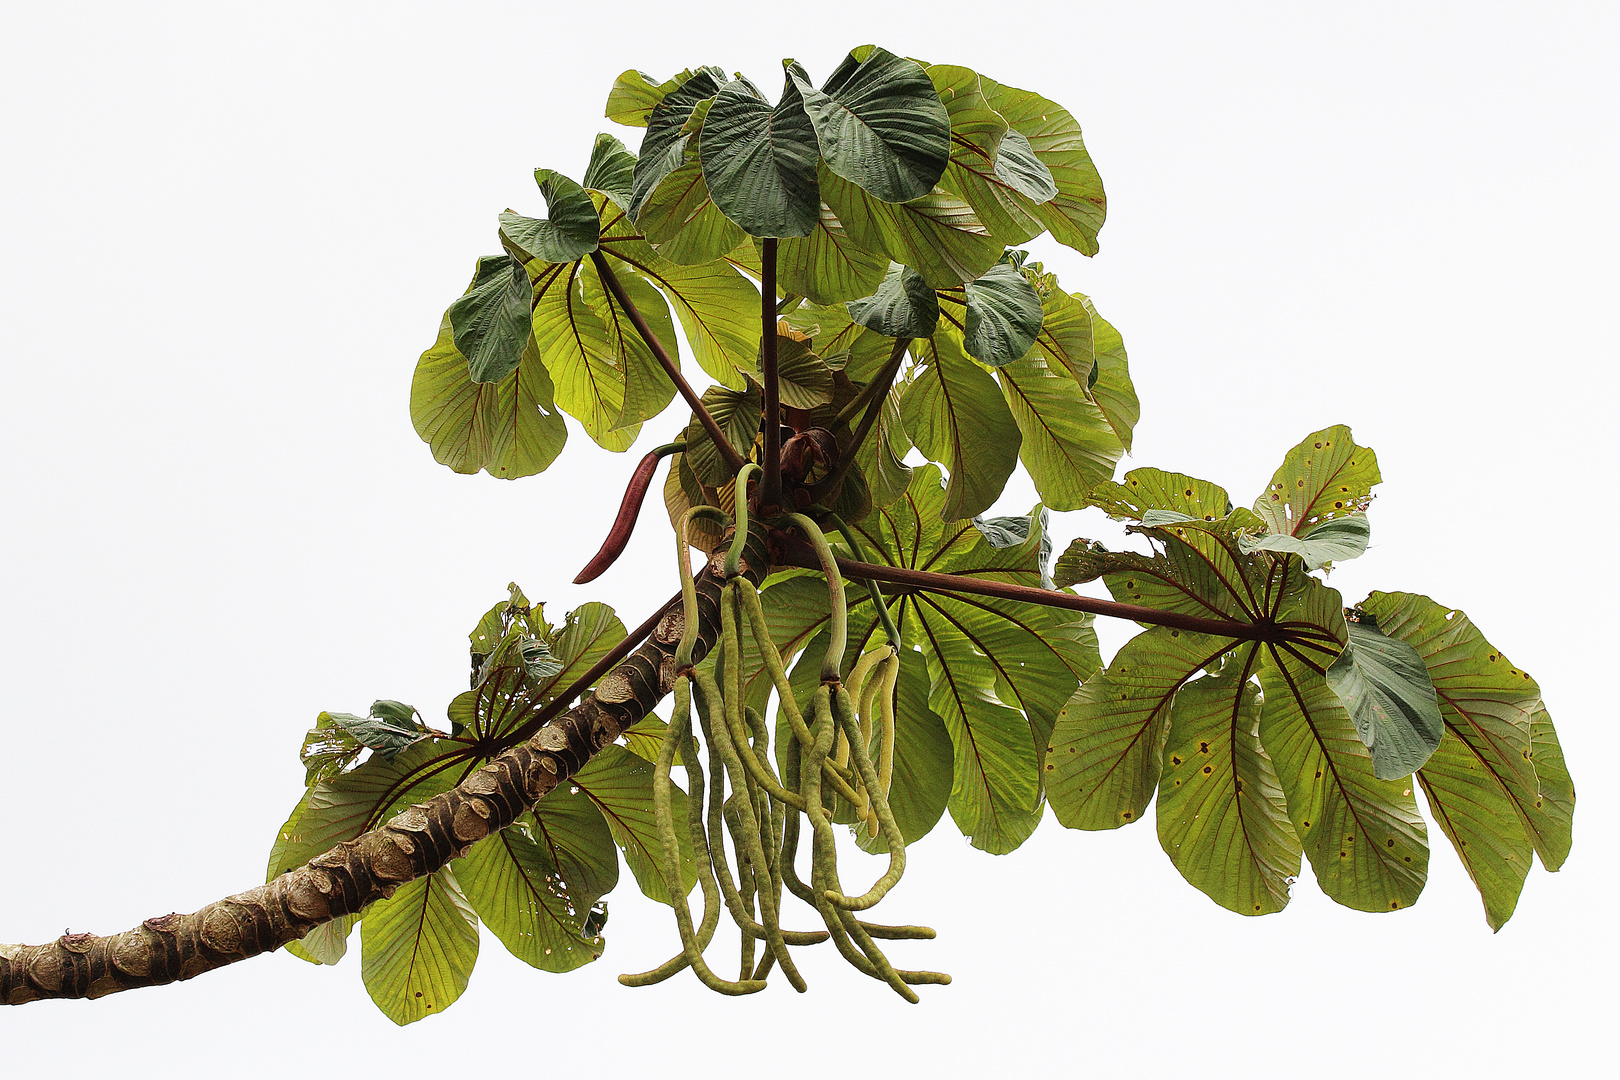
(346, 879)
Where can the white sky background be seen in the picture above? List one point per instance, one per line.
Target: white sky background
(226, 235)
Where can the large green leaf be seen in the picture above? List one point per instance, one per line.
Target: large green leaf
(1147, 489)
(620, 785)
(1075, 213)
(418, 947)
(490, 322)
(1067, 445)
(1497, 784)
(902, 306)
(803, 379)
(535, 882)
(1110, 385)
(842, 342)
(1386, 690)
(1367, 844)
(827, 266)
(663, 148)
(881, 458)
(1220, 811)
(611, 169)
(955, 415)
(1003, 316)
(574, 342)
(760, 162)
(1326, 476)
(937, 234)
(1106, 749)
(509, 429)
(570, 230)
(635, 94)
(879, 123)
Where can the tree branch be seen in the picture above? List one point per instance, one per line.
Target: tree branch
(359, 872)
(734, 460)
(794, 552)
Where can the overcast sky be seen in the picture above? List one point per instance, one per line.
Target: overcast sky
(227, 233)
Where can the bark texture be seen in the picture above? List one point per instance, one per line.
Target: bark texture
(370, 867)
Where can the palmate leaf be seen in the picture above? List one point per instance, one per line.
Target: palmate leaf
(760, 162)
(418, 947)
(803, 379)
(1068, 446)
(534, 883)
(509, 429)
(1497, 783)
(955, 415)
(879, 123)
(1335, 540)
(738, 414)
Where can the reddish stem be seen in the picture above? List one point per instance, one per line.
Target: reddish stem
(770, 488)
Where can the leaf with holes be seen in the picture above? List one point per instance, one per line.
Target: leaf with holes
(418, 947)
(1326, 476)
(1497, 783)
(1220, 811)
(535, 882)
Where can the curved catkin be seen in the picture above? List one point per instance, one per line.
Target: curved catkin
(838, 611)
(756, 764)
(844, 714)
(739, 501)
(772, 660)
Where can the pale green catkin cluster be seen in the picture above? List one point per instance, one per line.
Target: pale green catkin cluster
(831, 747)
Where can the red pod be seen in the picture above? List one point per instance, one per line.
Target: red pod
(629, 510)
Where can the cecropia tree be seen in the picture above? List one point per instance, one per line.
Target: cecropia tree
(860, 646)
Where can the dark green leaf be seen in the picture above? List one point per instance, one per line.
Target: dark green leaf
(902, 306)
(760, 162)
(1003, 316)
(418, 947)
(635, 95)
(328, 750)
(569, 232)
(880, 124)
(611, 169)
(383, 734)
(490, 323)
(663, 148)
(683, 221)
(1385, 688)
